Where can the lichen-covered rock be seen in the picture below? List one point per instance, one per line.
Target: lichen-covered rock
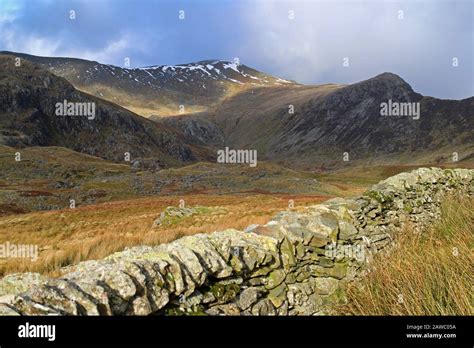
(172, 214)
(277, 295)
(16, 283)
(263, 307)
(248, 297)
(325, 285)
(275, 278)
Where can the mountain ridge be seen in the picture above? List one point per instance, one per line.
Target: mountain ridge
(296, 125)
(331, 120)
(158, 89)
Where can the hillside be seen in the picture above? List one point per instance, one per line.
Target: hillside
(329, 120)
(28, 105)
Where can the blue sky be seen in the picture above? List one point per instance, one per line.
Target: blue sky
(306, 41)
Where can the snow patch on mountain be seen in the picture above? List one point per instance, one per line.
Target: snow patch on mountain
(200, 72)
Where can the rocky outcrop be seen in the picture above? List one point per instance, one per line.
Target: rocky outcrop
(299, 263)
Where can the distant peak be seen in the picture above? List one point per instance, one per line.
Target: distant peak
(389, 77)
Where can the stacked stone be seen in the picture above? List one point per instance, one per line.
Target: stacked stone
(299, 263)
(413, 198)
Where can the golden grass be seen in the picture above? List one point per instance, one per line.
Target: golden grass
(67, 237)
(429, 273)
(150, 105)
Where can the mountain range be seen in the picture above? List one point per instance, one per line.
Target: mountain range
(173, 115)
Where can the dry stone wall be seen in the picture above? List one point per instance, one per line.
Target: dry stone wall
(299, 263)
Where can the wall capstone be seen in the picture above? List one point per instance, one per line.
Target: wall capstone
(299, 263)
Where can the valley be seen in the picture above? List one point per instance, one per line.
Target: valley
(82, 188)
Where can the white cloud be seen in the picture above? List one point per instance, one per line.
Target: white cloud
(113, 51)
(30, 44)
(311, 47)
(9, 10)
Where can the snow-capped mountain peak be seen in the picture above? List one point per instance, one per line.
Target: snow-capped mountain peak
(159, 89)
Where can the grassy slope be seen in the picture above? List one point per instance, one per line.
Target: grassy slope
(430, 273)
(95, 231)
